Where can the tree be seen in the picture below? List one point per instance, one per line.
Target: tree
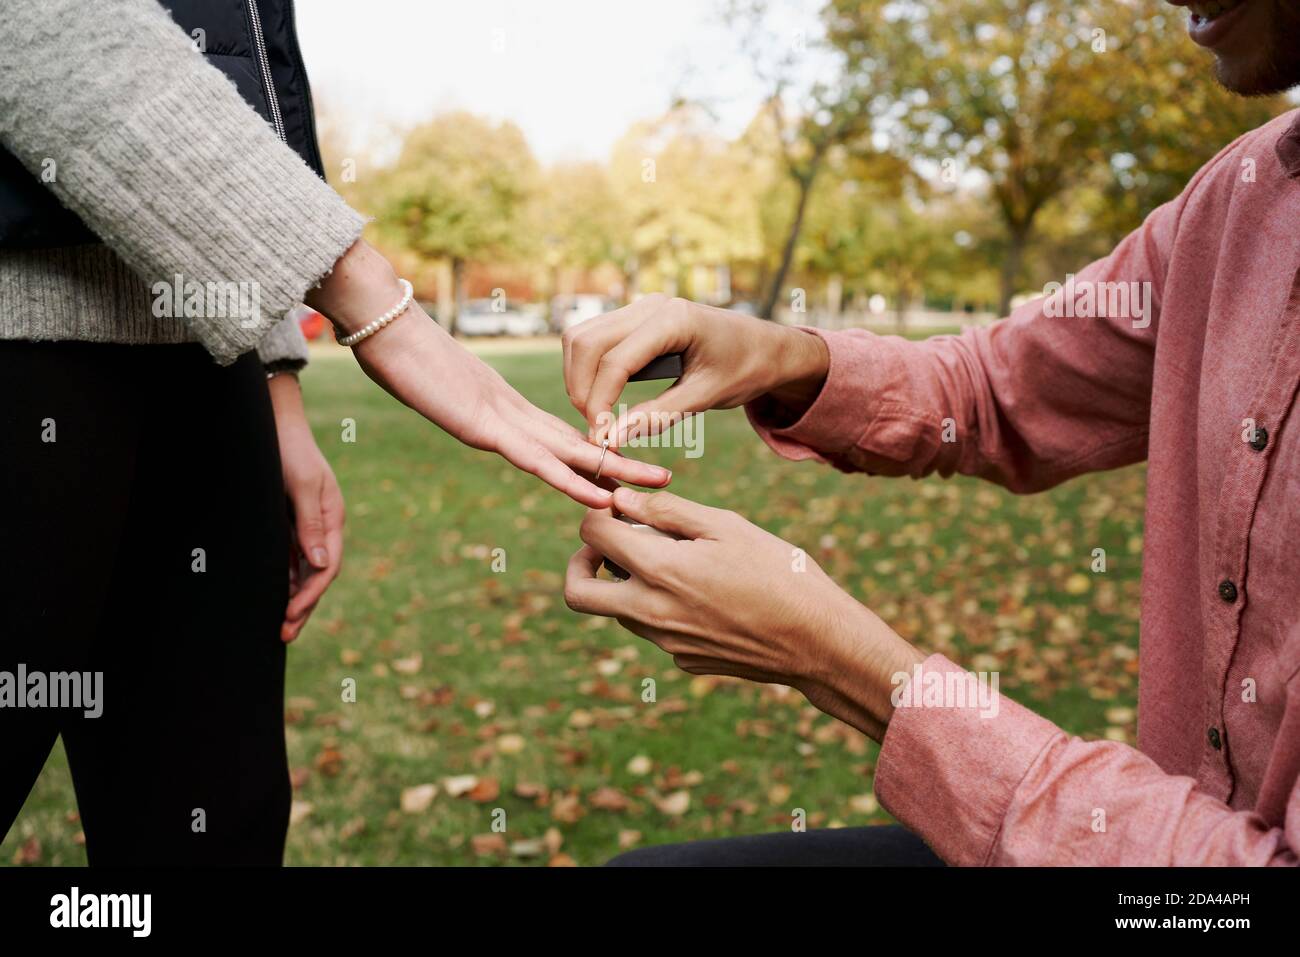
(852, 214)
(688, 195)
(1035, 95)
(459, 190)
(815, 105)
(581, 219)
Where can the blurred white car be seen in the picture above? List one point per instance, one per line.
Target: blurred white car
(581, 308)
(525, 322)
(478, 318)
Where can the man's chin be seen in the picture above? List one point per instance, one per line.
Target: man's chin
(1269, 65)
(1255, 78)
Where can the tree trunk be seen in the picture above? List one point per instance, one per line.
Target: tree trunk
(1019, 236)
(835, 300)
(902, 303)
(791, 240)
(553, 297)
(631, 279)
(446, 293)
(458, 291)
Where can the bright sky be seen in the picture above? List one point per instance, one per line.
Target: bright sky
(573, 74)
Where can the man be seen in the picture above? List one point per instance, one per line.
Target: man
(1196, 371)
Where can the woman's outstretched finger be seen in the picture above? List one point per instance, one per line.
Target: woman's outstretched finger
(569, 446)
(533, 457)
(587, 458)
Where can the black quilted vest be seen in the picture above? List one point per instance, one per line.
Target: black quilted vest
(253, 42)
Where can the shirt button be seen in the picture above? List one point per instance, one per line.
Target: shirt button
(1228, 591)
(1216, 742)
(1259, 441)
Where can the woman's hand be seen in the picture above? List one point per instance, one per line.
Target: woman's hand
(416, 361)
(316, 541)
(731, 599)
(729, 359)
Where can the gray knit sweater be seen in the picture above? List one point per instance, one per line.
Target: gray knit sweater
(162, 158)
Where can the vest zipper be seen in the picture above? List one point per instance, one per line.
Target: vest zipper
(310, 112)
(264, 65)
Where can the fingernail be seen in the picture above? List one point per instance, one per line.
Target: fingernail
(625, 495)
(319, 557)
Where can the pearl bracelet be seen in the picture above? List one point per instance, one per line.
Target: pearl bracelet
(366, 331)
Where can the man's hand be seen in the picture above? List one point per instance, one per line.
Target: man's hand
(731, 599)
(730, 359)
(316, 542)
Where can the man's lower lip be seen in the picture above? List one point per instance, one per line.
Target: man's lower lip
(1210, 33)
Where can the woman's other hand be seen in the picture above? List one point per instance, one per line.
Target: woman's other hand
(316, 539)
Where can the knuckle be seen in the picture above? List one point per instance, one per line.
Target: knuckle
(655, 571)
(587, 527)
(661, 504)
(727, 518)
(678, 313)
(677, 580)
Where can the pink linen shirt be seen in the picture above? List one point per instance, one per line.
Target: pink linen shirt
(1203, 386)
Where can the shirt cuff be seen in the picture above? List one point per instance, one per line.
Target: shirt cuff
(951, 760)
(842, 411)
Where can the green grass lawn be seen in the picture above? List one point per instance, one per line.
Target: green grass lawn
(486, 679)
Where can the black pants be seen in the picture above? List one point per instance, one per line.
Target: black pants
(884, 846)
(148, 541)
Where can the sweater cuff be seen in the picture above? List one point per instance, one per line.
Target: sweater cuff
(952, 758)
(194, 191)
(284, 347)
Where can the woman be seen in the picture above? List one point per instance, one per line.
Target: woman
(146, 533)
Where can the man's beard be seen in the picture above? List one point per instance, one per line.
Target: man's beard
(1277, 69)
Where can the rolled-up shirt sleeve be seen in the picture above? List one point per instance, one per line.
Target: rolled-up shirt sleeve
(1026, 402)
(991, 783)
(161, 157)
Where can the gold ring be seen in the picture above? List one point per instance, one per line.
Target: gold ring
(604, 450)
